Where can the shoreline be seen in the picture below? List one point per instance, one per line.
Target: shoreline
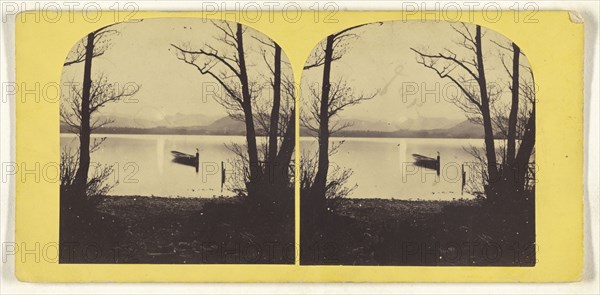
(361, 231)
(341, 199)
(150, 229)
(302, 137)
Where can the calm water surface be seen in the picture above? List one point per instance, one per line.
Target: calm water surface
(144, 163)
(382, 167)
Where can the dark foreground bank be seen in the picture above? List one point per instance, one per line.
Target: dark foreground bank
(175, 230)
(399, 232)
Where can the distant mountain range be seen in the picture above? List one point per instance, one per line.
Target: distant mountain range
(423, 127)
(203, 126)
(170, 121)
(422, 123)
(464, 129)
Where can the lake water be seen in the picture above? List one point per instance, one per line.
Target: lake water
(143, 163)
(382, 167)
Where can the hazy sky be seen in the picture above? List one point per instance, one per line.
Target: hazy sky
(141, 53)
(381, 56)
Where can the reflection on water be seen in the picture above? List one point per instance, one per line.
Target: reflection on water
(143, 163)
(384, 167)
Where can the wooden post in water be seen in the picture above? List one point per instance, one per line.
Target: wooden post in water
(462, 188)
(438, 164)
(222, 175)
(197, 159)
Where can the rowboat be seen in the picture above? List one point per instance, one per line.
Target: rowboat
(186, 159)
(428, 162)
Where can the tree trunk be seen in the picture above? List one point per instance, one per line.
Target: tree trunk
(255, 170)
(273, 127)
(318, 188)
(525, 150)
(284, 157)
(490, 148)
(508, 186)
(514, 109)
(81, 176)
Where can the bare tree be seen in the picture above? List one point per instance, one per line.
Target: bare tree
(102, 93)
(73, 116)
(481, 105)
(231, 73)
(280, 124)
(332, 99)
(98, 184)
(462, 72)
(88, 99)
(520, 167)
(518, 126)
(98, 41)
(240, 96)
(514, 108)
(337, 178)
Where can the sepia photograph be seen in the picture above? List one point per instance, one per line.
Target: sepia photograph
(281, 146)
(177, 145)
(417, 148)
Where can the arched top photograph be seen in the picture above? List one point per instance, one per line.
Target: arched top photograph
(175, 133)
(417, 132)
